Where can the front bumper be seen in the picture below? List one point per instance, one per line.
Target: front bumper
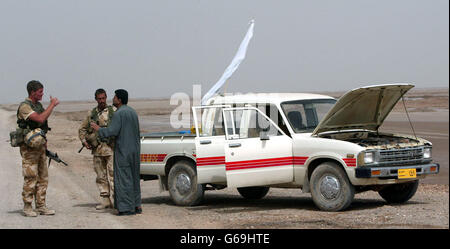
(391, 172)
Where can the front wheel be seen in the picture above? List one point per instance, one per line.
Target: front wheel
(330, 188)
(183, 187)
(399, 193)
(253, 192)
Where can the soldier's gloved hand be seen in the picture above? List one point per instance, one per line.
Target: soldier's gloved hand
(87, 145)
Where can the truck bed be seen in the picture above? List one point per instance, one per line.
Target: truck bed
(158, 147)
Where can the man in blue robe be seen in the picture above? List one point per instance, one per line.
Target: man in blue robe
(125, 128)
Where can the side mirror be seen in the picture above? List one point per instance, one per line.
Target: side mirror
(264, 135)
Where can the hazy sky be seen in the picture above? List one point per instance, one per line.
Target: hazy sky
(157, 48)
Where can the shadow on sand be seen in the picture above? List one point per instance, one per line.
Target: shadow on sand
(226, 203)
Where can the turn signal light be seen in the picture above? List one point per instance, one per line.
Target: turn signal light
(433, 168)
(376, 172)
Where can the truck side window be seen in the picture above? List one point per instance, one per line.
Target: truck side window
(249, 123)
(212, 122)
(218, 125)
(272, 111)
(282, 125)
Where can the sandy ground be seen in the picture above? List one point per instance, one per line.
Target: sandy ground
(73, 193)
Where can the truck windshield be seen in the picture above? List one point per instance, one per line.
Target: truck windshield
(305, 115)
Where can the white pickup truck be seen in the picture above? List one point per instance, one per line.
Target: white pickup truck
(332, 149)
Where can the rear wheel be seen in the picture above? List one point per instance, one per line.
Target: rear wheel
(330, 188)
(183, 187)
(399, 193)
(253, 192)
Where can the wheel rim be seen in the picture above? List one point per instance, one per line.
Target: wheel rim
(183, 183)
(329, 187)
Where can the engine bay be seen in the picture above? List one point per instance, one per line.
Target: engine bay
(373, 139)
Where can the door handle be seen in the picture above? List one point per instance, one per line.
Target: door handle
(205, 142)
(234, 145)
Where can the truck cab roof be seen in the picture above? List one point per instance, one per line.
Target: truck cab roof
(275, 98)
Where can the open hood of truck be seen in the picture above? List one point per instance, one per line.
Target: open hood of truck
(362, 108)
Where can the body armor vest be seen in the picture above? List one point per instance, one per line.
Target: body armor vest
(94, 139)
(94, 115)
(30, 124)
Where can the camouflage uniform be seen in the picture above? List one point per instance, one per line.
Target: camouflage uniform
(102, 151)
(35, 173)
(34, 160)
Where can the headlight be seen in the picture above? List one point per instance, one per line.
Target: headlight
(427, 152)
(369, 157)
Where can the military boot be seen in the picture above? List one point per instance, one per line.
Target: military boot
(28, 210)
(45, 211)
(104, 203)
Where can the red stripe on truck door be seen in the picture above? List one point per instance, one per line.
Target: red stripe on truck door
(259, 163)
(268, 162)
(204, 161)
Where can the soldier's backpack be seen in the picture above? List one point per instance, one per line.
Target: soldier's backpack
(16, 137)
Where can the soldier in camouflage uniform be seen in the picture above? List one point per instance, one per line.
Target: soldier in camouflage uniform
(102, 149)
(31, 117)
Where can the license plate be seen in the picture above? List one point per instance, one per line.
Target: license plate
(406, 173)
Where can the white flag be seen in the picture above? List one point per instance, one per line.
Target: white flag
(238, 58)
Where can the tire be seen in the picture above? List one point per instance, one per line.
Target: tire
(399, 193)
(253, 193)
(330, 188)
(183, 187)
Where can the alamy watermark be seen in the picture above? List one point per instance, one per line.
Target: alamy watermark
(182, 117)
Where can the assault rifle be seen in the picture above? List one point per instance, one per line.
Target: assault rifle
(82, 147)
(54, 156)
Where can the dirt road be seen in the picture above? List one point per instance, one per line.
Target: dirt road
(73, 194)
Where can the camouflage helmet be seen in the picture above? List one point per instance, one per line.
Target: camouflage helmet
(35, 138)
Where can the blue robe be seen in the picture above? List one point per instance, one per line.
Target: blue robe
(124, 127)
